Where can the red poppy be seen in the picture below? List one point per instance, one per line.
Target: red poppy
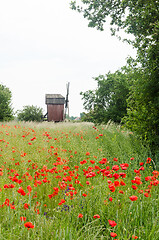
(115, 168)
(110, 199)
(84, 194)
(111, 187)
(28, 225)
(62, 201)
(96, 216)
(133, 198)
(92, 161)
(135, 237)
(115, 159)
(23, 218)
(80, 215)
(26, 205)
(87, 153)
(120, 191)
(112, 223)
(112, 234)
(148, 160)
(134, 187)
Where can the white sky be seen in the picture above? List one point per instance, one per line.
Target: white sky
(44, 45)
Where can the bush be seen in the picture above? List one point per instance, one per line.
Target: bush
(30, 113)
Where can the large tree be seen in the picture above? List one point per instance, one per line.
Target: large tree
(108, 101)
(6, 111)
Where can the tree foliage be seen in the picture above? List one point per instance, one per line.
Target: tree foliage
(140, 19)
(30, 113)
(108, 101)
(6, 111)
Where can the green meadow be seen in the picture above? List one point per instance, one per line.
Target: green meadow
(76, 181)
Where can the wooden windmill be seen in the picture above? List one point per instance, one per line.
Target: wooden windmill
(55, 106)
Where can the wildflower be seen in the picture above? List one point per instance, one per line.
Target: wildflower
(115, 168)
(29, 188)
(103, 161)
(148, 160)
(62, 201)
(92, 161)
(122, 183)
(112, 234)
(134, 187)
(112, 223)
(116, 183)
(141, 164)
(23, 218)
(115, 159)
(146, 194)
(80, 215)
(120, 191)
(110, 199)
(135, 237)
(111, 187)
(28, 225)
(84, 194)
(26, 206)
(133, 198)
(12, 206)
(96, 216)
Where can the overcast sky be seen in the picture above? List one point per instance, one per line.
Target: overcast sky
(44, 45)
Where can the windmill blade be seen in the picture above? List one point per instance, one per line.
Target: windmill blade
(66, 101)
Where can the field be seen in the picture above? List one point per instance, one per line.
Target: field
(76, 181)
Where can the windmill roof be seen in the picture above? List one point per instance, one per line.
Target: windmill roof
(54, 96)
(54, 99)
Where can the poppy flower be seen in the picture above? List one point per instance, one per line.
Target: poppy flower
(80, 215)
(92, 161)
(135, 237)
(134, 187)
(115, 168)
(96, 216)
(87, 153)
(110, 199)
(28, 225)
(23, 218)
(148, 160)
(133, 198)
(112, 234)
(120, 191)
(26, 206)
(112, 223)
(111, 187)
(84, 195)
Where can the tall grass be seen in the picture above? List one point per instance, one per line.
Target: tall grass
(59, 177)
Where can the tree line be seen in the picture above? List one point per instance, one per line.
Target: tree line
(28, 113)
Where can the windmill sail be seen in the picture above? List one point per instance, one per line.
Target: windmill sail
(67, 101)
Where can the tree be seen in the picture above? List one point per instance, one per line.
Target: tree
(108, 101)
(30, 113)
(6, 111)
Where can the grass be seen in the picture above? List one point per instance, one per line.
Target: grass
(50, 174)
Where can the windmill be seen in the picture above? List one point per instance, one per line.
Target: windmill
(67, 101)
